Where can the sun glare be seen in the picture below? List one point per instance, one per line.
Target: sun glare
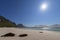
(43, 6)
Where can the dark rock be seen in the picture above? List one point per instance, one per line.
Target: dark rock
(23, 35)
(41, 32)
(8, 35)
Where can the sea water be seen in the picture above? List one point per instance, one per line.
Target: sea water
(48, 29)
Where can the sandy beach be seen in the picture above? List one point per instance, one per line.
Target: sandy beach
(31, 34)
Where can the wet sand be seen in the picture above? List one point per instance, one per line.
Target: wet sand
(31, 34)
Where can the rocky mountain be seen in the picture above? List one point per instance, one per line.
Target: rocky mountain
(55, 26)
(40, 26)
(21, 26)
(6, 23)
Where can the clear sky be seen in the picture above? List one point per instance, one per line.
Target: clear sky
(28, 12)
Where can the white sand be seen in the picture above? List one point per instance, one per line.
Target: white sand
(32, 34)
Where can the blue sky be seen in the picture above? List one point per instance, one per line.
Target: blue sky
(28, 12)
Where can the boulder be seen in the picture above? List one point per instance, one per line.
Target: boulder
(8, 35)
(23, 35)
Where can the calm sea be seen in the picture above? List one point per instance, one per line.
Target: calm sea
(48, 29)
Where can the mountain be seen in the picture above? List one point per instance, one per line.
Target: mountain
(40, 26)
(55, 26)
(21, 26)
(6, 23)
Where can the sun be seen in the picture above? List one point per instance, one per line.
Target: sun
(43, 6)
